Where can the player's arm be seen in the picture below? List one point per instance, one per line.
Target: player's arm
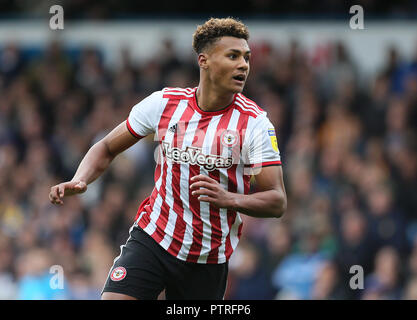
(94, 163)
(269, 202)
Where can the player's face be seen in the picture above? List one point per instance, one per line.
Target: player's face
(228, 64)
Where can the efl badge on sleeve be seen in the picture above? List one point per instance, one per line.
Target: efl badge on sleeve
(273, 137)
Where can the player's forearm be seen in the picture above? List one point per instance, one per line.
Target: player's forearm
(265, 204)
(94, 163)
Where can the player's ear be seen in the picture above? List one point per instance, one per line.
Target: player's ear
(202, 60)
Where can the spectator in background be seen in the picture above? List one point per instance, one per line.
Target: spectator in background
(405, 71)
(328, 285)
(7, 283)
(294, 277)
(411, 290)
(384, 282)
(35, 280)
(278, 244)
(11, 62)
(80, 287)
(248, 276)
(411, 267)
(386, 224)
(375, 112)
(355, 247)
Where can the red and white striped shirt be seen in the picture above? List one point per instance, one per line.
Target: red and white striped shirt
(226, 145)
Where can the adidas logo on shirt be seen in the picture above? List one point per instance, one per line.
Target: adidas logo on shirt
(173, 128)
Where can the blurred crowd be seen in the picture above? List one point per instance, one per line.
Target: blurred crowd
(347, 142)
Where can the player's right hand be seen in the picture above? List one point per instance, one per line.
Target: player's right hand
(64, 189)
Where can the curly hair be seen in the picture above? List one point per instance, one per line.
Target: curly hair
(215, 28)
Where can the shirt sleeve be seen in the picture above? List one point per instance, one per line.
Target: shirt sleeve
(262, 149)
(144, 116)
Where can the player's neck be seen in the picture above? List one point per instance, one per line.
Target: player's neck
(211, 100)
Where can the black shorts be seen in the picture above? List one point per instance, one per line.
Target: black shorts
(144, 269)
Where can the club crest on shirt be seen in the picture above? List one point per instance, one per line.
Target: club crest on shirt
(273, 138)
(229, 138)
(118, 274)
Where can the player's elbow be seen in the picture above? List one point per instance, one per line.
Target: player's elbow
(280, 204)
(104, 146)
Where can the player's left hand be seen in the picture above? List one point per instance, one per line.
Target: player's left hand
(209, 190)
